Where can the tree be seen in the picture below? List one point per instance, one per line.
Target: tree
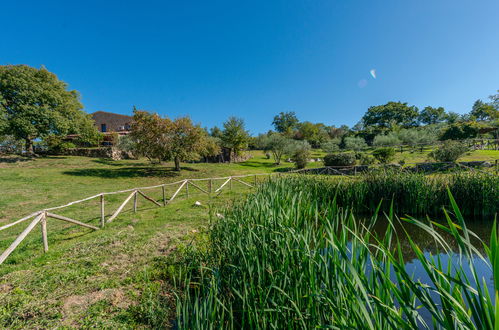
(185, 141)
(484, 111)
(430, 115)
(301, 154)
(355, 143)
(149, 135)
(34, 103)
(495, 100)
(331, 146)
(315, 134)
(452, 117)
(390, 139)
(276, 143)
(234, 136)
(390, 114)
(216, 132)
(461, 131)
(285, 122)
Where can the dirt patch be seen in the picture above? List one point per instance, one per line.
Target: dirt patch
(78, 303)
(5, 288)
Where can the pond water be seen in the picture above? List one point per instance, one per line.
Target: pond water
(482, 228)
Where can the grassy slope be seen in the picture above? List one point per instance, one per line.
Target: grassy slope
(101, 278)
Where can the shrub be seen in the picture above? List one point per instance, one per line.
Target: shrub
(449, 151)
(366, 159)
(301, 155)
(331, 146)
(460, 131)
(56, 145)
(355, 143)
(386, 140)
(340, 159)
(384, 155)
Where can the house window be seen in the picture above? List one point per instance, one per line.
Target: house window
(103, 128)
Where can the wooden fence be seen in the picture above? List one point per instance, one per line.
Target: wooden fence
(41, 217)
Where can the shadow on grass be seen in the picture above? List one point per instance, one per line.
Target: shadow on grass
(255, 163)
(128, 172)
(14, 159)
(117, 163)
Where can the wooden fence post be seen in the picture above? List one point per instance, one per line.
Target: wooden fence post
(255, 180)
(187, 188)
(210, 185)
(135, 202)
(102, 212)
(497, 166)
(164, 195)
(43, 224)
(230, 184)
(19, 239)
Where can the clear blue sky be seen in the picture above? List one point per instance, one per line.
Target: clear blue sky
(253, 59)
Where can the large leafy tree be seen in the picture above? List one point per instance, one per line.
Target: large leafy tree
(430, 115)
(484, 111)
(285, 122)
(186, 141)
(390, 115)
(275, 143)
(234, 136)
(149, 135)
(34, 103)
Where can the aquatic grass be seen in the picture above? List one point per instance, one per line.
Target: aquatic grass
(290, 257)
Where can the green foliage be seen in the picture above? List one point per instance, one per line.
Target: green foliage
(35, 104)
(234, 135)
(331, 146)
(484, 111)
(126, 143)
(301, 154)
(355, 143)
(340, 159)
(390, 114)
(366, 159)
(384, 155)
(285, 122)
(315, 134)
(449, 151)
(390, 139)
(461, 131)
(56, 145)
(10, 145)
(276, 144)
(430, 115)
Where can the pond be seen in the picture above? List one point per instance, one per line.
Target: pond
(431, 249)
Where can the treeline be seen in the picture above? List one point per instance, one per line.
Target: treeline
(394, 123)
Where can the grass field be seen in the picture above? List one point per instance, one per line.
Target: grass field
(106, 278)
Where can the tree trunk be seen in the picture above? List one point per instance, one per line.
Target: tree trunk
(29, 147)
(177, 164)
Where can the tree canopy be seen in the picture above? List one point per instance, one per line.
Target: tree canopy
(430, 115)
(34, 103)
(390, 114)
(285, 122)
(234, 135)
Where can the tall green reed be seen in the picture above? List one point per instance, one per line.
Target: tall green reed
(289, 258)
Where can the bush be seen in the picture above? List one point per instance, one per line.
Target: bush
(355, 143)
(384, 155)
(449, 151)
(301, 155)
(386, 140)
(331, 146)
(56, 145)
(366, 159)
(340, 159)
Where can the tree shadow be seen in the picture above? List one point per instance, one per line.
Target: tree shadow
(128, 172)
(14, 159)
(251, 163)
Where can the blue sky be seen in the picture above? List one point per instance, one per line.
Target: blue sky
(253, 59)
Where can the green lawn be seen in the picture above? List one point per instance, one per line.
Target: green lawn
(106, 278)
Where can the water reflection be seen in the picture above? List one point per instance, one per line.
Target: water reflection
(431, 249)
